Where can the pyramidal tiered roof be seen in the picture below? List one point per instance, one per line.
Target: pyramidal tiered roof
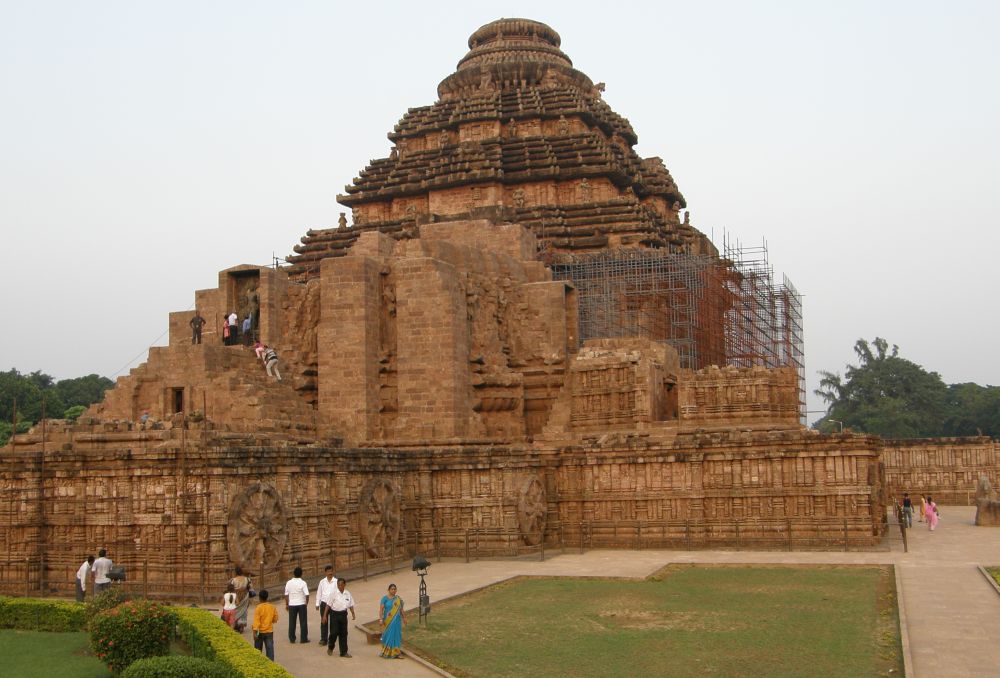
(517, 132)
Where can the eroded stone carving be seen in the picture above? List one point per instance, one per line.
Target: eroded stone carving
(379, 517)
(257, 529)
(531, 511)
(987, 504)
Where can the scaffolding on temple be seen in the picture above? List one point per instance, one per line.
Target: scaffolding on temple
(713, 311)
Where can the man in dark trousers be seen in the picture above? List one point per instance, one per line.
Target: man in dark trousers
(338, 602)
(197, 322)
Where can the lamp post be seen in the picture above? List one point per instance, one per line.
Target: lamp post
(835, 421)
(420, 565)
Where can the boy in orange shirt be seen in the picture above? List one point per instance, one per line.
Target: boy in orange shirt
(264, 616)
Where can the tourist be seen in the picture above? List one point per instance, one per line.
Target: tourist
(932, 513)
(259, 348)
(81, 578)
(264, 616)
(233, 328)
(102, 566)
(907, 510)
(297, 606)
(323, 589)
(144, 419)
(247, 324)
(390, 616)
(338, 602)
(225, 332)
(197, 322)
(229, 605)
(244, 590)
(923, 507)
(270, 359)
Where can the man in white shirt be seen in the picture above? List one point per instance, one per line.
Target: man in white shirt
(338, 602)
(297, 605)
(81, 578)
(323, 589)
(102, 566)
(234, 329)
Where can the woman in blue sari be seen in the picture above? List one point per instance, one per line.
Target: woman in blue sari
(390, 614)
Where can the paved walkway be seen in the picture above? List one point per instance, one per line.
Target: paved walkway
(949, 608)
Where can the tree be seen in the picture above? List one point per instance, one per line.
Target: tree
(885, 394)
(37, 393)
(83, 390)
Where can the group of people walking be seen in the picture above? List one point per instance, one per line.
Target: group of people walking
(929, 512)
(333, 601)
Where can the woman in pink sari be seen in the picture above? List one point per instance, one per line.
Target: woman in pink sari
(932, 513)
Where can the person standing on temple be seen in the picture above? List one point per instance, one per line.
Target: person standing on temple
(907, 510)
(297, 606)
(82, 575)
(102, 566)
(233, 328)
(323, 589)
(197, 322)
(247, 335)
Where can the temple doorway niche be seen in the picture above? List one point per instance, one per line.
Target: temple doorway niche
(243, 296)
(176, 400)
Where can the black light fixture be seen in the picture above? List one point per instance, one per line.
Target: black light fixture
(420, 565)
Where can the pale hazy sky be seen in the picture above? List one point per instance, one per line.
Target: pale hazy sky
(146, 146)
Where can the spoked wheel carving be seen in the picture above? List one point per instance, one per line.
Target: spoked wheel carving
(257, 529)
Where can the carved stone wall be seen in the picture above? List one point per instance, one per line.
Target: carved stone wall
(179, 507)
(948, 469)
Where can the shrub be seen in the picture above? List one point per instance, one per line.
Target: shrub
(176, 666)
(35, 614)
(133, 630)
(112, 597)
(72, 413)
(211, 638)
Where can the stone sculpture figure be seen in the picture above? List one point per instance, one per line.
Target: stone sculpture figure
(512, 128)
(342, 221)
(563, 125)
(987, 504)
(519, 197)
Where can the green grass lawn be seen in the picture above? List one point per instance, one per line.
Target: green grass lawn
(685, 621)
(38, 654)
(995, 573)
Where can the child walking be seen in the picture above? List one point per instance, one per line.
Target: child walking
(229, 605)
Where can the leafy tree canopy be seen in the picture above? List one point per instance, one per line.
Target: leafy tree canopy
(890, 396)
(37, 392)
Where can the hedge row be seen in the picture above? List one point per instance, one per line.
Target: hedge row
(37, 614)
(211, 638)
(177, 666)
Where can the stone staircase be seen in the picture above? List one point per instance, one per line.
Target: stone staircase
(228, 382)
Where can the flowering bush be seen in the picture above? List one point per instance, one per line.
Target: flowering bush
(176, 666)
(134, 630)
(109, 598)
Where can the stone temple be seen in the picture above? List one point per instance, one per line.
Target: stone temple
(519, 343)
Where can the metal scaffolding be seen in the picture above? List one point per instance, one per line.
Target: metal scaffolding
(712, 310)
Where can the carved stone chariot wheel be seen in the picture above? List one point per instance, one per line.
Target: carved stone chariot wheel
(379, 517)
(257, 527)
(532, 511)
